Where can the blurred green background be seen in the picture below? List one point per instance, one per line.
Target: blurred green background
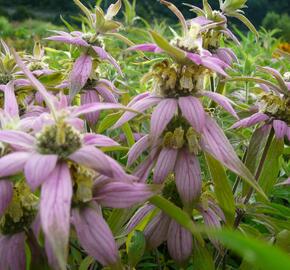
(22, 20)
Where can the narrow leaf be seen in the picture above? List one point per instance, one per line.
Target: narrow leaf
(174, 52)
(270, 171)
(177, 214)
(254, 251)
(136, 248)
(222, 188)
(128, 134)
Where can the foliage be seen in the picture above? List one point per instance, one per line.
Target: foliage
(64, 97)
(281, 22)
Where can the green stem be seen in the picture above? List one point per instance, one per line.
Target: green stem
(178, 215)
(240, 214)
(261, 164)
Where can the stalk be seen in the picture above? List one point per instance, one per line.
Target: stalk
(38, 258)
(240, 214)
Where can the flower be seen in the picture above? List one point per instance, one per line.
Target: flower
(92, 230)
(273, 106)
(194, 55)
(45, 154)
(17, 213)
(91, 43)
(8, 67)
(99, 90)
(180, 128)
(189, 47)
(162, 228)
(177, 151)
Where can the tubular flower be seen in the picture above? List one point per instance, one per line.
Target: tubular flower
(18, 208)
(91, 43)
(44, 155)
(185, 52)
(180, 129)
(162, 228)
(188, 49)
(214, 24)
(97, 90)
(92, 230)
(273, 106)
(8, 66)
(177, 150)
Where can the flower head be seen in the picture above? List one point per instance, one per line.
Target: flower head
(92, 43)
(161, 227)
(273, 106)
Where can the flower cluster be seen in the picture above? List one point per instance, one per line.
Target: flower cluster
(60, 178)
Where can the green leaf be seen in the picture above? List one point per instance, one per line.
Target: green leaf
(115, 148)
(27, 256)
(85, 264)
(246, 22)
(109, 26)
(113, 9)
(128, 134)
(222, 188)
(177, 214)
(51, 79)
(254, 251)
(207, 8)
(283, 240)
(67, 24)
(270, 171)
(100, 19)
(254, 153)
(202, 258)
(118, 218)
(232, 5)
(86, 11)
(174, 52)
(108, 121)
(136, 248)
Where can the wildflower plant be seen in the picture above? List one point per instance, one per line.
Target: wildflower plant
(69, 200)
